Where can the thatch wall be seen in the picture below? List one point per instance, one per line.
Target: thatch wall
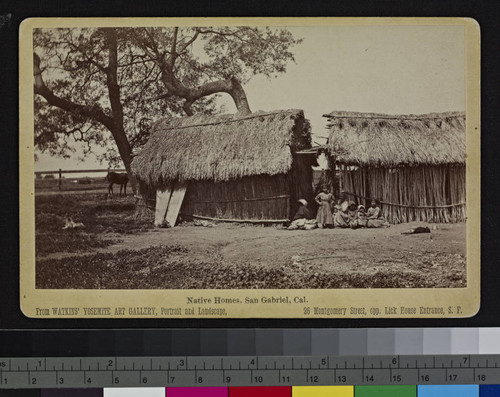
(410, 194)
(260, 197)
(236, 167)
(415, 165)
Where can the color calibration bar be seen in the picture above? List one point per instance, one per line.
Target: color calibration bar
(294, 391)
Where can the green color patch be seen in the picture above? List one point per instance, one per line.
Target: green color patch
(385, 391)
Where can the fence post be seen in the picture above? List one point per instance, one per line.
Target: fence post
(60, 178)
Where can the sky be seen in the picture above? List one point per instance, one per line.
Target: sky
(380, 69)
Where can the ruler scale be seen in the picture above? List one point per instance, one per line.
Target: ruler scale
(189, 371)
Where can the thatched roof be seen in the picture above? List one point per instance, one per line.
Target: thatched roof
(369, 139)
(221, 147)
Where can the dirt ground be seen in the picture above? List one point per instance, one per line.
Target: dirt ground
(336, 249)
(256, 257)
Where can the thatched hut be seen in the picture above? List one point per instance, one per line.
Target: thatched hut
(237, 168)
(415, 165)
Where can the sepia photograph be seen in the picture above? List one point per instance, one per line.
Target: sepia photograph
(322, 167)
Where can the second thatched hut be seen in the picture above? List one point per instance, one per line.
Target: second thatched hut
(413, 164)
(231, 167)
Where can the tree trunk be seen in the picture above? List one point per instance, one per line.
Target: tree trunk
(118, 130)
(125, 153)
(239, 97)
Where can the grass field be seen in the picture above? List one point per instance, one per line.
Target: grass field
(81, 184)
(114, 250)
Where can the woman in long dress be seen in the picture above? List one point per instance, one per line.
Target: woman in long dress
(324, 216)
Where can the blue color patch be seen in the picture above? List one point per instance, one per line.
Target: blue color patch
(448, 391)
(489, 390)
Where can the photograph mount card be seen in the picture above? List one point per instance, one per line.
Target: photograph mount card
(249, 168)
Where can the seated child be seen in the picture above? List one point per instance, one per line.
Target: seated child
(375, 217)
(361, 218)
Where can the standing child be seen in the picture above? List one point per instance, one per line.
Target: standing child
(324, 216)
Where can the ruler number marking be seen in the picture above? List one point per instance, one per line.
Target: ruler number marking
(396, 378)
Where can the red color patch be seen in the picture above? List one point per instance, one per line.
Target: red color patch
(260, 391)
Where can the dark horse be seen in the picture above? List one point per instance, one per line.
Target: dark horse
(120, 179)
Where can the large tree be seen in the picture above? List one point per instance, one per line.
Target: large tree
(107, 85)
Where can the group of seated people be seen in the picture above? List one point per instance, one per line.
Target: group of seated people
(340, 213)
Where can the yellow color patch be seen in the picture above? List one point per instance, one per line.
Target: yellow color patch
(322, 391)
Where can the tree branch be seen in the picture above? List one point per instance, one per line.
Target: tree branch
(231, 86)
(88, 60)
(173, 53)
(40, 88)
(189, 42)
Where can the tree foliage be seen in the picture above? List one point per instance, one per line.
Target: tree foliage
(93, 81)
